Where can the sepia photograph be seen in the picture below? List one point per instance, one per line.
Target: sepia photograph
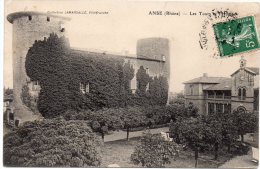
(131, 84)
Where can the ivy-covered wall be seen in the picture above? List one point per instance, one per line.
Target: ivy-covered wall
(60, 70)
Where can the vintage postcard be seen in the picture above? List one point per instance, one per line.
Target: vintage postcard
(131, 84)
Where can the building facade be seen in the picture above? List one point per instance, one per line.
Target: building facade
(151, 53)
(221, 94)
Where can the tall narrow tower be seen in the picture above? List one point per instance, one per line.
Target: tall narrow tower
(28, 27)
(157, 49)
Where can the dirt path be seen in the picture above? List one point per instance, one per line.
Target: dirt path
(121, 135)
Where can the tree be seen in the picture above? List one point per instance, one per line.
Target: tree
(176, 111)
(157, 115)
(246, 122)
(52, 143)
(192, 110)
(175, 130)
(213, 131)
(8, 91)
(178, 99)
(158, 90)
(142, 80)
(133, 117)
(229, 130)
(106, 119)
(191, 131)
(154, 151)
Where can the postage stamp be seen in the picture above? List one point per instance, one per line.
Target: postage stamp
(236, 36)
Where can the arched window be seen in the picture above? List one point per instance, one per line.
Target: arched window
(242, 93)
(241, 109)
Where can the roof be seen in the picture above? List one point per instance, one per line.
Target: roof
(11, 17)
(253, 70)
(8, 97)
(205, 79)
(223, 85)
(116, 55)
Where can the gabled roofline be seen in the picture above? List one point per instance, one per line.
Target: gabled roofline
(246, 69)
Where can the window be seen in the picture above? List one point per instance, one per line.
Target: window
(163, 58)
(227, 108)
(147, 70)
(30, 17)
(191, 89)
(242, 93)
(147, 86)
(211, 108)
(16, 123)
(11, 116)
(84, 88)
(211, 94)
(62, 27)
(133, 85)
(35, 85)
(239, 93)
(48, 19)
(219, 107)
(251, 80)
(241, 109)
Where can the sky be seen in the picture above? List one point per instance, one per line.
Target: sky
(128, 21)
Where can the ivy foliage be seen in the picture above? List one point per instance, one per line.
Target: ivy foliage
(61, 70)
(27, 99)
(52, 143)
(154, 151)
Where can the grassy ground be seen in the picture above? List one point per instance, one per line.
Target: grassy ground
(119, 152)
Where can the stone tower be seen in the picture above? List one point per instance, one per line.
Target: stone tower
(243, 88)
(28, 27)
(157, 49)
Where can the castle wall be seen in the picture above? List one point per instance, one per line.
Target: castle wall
(152, 54)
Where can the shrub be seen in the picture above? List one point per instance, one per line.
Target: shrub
(133, 117)
(154, 151)
(239, 148)
(157, 115)
(52, 143)
(105, 120)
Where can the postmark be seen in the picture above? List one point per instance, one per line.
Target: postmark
(207, 40)
(236, 36)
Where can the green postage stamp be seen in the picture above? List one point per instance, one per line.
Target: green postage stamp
(236, 36)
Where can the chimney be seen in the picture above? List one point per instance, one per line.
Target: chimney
(205, 75)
